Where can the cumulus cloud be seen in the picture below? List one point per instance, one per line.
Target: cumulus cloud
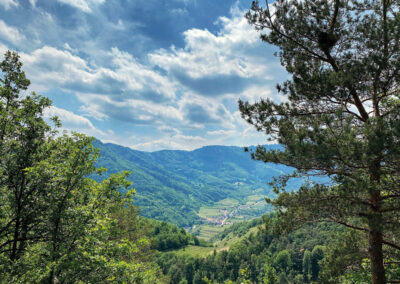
(217, 64)
(72, 121)
(181, 97)
(221, 132)
(10, 34)
(127, 91)
(140, 80)
(131, 111)
(49, 66)
(7, 4)
(175, 142)
(83, 5)
(198, 110)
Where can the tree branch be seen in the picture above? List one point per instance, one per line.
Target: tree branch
(391, 244)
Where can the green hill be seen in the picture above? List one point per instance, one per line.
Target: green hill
(174, 185)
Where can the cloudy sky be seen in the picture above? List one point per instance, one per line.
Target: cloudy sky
(148, 74)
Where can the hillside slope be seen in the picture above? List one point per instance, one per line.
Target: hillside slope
(174, 185)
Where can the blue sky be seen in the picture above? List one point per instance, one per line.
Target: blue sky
(147, 74)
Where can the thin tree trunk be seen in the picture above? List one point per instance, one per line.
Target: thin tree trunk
(13, 254)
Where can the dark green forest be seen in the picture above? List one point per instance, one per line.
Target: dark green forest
(173, 185)
(60, 225)
(335, 172)
(323, 253)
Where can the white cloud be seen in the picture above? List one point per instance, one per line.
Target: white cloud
(70, 49)
(3, 50)
(182, 98)
(84, 5)
(129, 92)
(131, 111)
(33, 3)
(73, 122)
(139, 77)
(52, 67)
(10, 34)
(7, 4)
(198, 110)
(208, 54)
(175, 142)
(222, 132)
(256, 92)
(49, 67)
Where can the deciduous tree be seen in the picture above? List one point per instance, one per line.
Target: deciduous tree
(57, 224)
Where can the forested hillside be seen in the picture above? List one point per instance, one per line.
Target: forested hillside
(174, 185)
(317, 253)
(321, 205)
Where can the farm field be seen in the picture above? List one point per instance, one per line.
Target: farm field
(227, 212)
(218, 245)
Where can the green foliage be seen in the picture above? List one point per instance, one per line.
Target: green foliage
(343, 254)
(307, 265)
(172, 186)
(362, 275)
(269, 274)
(260, 257)
(57, 225)
(283, 261)
(317, 255)
(339, 117)
(239, 229)
(166, 236)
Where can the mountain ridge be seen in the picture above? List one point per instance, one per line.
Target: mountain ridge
(173, 185)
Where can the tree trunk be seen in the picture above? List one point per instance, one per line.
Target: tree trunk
(51, 276)
(13, 254)
(376, 255)
(376, 236)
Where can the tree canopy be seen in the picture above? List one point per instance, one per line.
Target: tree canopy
(58, 225)
(340, 116)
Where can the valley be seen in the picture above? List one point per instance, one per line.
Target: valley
(227, 212)
(202, 191)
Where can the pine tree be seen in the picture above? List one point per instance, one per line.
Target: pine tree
(341, 116)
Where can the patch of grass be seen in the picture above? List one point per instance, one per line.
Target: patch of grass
(207, 212)
(257, 197)
(220, 245)
(195, 251)
(228, 202)
(206, 232)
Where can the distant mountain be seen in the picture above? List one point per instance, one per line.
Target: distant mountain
(173, 185)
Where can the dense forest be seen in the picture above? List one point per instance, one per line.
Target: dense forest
(65, 219)
(59, 225)
(173, 185)
(322, 253)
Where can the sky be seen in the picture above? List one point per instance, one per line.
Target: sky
(146, 74)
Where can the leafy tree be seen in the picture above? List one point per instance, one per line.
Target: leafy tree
(340, 117)
(307, 265)
(22, 134)
(198, 278)
(57, 225)
(317, 255)
(269, 274)
(283, 261)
